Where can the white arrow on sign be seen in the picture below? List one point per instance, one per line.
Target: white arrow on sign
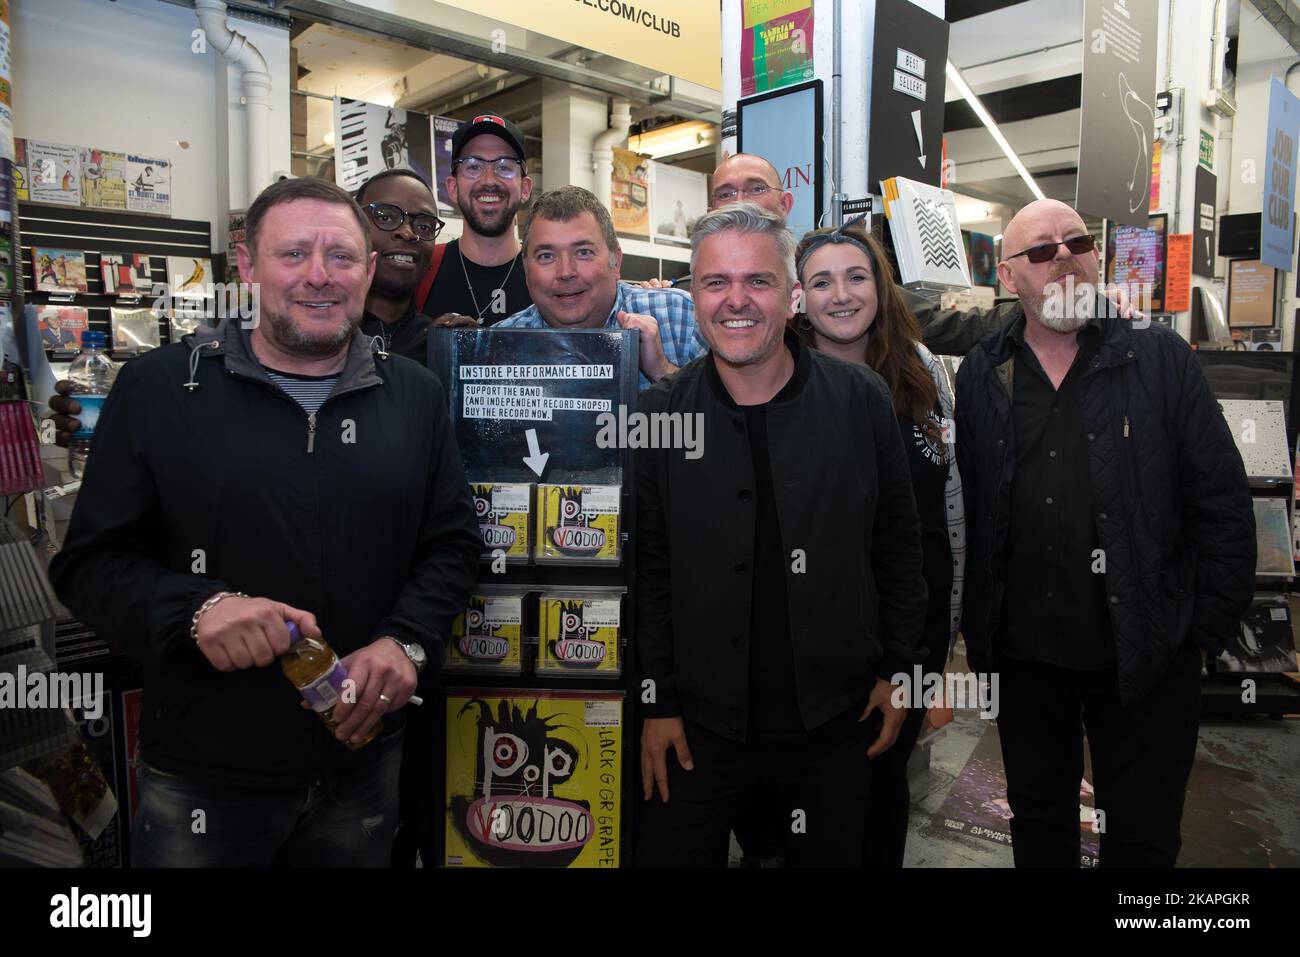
(1207, 247)
(535, 459)
(920, 145)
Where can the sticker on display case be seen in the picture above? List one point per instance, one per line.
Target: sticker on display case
(578, 523)
(487, 636)
(579, 634)
(504, 513)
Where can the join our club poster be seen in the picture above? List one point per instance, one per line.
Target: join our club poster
(534, 779)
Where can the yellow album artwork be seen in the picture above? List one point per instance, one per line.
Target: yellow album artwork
(487, 636)
(533, 779)
(579, 634)
(578, 523)
(503, 513)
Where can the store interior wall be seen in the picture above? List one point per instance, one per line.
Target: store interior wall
(123, 76)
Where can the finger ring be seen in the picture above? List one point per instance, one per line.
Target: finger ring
(385, 699)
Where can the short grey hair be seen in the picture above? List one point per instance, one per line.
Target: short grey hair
(746, 218)
(566, 203)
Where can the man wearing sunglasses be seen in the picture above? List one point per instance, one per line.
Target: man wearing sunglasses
(1110, 536)
(404, 225)
(478, 279)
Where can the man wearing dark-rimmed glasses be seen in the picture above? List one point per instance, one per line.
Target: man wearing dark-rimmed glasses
(478, 279)
(404, 225)
(1110, 538)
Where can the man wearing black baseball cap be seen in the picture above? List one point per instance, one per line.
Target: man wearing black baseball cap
(478, 279)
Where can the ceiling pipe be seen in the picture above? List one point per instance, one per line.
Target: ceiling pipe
(236, 48)
(620, 122)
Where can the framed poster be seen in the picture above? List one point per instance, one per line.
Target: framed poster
(370, 138)
(54, 173)
(785, 128)
(678, 197)
(103, 179)
(533, 778)
(149, 185)
(776, 44)
(630, 194)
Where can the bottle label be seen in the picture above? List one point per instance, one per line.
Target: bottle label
(327, 690)
(89, 414)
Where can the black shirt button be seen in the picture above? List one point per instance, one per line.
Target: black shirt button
(734, 707)
(1048, 595)
(745, 495)
(735, 730)
(1102, 516)
(1092, 436)
(1131, 353)
(1049, 500)
(1001, 442)
(742, 567)
(1052, 454)
(1114, 599)
(737, 640)
(1049, 548)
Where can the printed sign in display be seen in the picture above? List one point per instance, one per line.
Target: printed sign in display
(1203, 232)
(910, 49)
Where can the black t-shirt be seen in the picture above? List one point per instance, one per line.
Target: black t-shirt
(925, 459)
(452, 293)
(407, 336)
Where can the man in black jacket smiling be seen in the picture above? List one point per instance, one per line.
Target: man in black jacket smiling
(1110, 534)
(240, 480)
(779, 573)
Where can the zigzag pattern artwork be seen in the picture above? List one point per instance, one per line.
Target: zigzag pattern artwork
(935, 230)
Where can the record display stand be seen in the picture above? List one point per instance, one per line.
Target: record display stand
(536, 686)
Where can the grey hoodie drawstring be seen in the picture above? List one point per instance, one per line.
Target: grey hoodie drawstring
(191, 385)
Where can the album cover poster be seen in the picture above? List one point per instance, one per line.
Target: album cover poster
(60, 271)
(125, 275)
(103, 179)
(488, 635)
(444, 128)
(1263, 643)
(533, 779)
(189, 277)
(149, 185)
(135, 330)
(61, 327)
(54, 173)
(370, 138)
(1272, 538)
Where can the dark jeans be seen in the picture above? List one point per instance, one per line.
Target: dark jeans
(345, 819)
(420, 788)
(1141, 758)
(818, 785)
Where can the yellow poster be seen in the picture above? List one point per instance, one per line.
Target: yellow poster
(533, 779)
(630, 194)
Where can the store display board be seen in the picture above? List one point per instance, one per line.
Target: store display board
(532, 766)
(1135, 256)
(1203, 243)
(785, 128)
(534, 778)
(1252, 291)
(1259, 430)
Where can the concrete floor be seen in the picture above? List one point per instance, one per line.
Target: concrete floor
(1243, 801)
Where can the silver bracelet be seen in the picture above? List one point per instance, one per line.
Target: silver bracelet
(194, 622)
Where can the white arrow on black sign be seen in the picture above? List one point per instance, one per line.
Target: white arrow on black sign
(535, 459)
(920, 144)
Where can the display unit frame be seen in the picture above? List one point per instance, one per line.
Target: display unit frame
(755, 144)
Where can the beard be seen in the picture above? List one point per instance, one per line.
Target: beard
(499, 222)
(325, 342)
(1065, 304)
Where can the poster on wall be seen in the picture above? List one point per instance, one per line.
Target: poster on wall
(21, 177)
(630, 194)
(444, 128)
(1178, 273)
(103, 178)
(776, 44)
(149, 185)
(678, 197)
(785, 127)
(1204, 226)
(1277, 224)
(54, 173)
(533, 779)
(909, 56)
(1117, 126)
(370, 138)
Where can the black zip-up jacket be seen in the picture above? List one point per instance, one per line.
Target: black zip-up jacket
(359, 514)
(844, 499)
(1174, 517)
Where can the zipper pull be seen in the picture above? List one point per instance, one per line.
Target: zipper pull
(311, 431)
(1126, 426)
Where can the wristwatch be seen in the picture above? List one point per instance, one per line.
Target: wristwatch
(413, 651)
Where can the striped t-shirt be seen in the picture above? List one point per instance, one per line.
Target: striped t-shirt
(309, 391)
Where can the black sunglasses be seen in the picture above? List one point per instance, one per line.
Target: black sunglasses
(1046, 251)
(389, 217)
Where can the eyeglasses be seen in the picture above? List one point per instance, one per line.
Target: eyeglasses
(389, 217)
(506, 167)
(1047, 251)
(728, 194)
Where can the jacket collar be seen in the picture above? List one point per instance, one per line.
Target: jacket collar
(233, 346)
(802, 367)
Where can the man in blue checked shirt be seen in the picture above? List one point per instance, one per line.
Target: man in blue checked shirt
(572, 261)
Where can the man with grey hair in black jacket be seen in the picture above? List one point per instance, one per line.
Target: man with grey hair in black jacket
(244, 480)
(1110, 536)
(779, 573)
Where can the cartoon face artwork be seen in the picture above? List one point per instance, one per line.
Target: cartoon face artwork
(513, 818)
(573, 647)
(480, 641)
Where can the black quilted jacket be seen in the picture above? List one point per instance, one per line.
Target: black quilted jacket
(1174, 515)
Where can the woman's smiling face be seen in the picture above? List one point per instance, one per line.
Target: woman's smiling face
(839, 292)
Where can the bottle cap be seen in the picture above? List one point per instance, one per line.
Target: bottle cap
(94, 340)
(294, 634)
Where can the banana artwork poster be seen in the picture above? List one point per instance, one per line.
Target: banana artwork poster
(534, 779)
(189, 276)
